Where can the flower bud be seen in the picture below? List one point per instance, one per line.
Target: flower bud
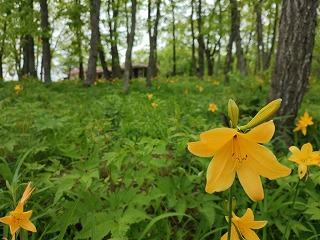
(233, 113)
(264, 114)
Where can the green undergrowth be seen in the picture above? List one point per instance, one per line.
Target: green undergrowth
(108, 165)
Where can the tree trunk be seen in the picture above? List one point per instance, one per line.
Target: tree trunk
(113, 25)
(193, 60)
(46, 53)
(259, 33)
(200, 42)
(130, 45)
(235, 21)
(270, 53)
(153, 36)
(174, 70)
(106, 72)
(293, 60)
(4, 30)
(94, 41)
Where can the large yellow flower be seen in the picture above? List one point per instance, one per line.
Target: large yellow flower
(303, 123)
(243, 226)
(19, 219)
(304, 158)
(236, 152)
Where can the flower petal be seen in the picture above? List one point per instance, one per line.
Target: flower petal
(217, 137)
(258, 224)
(263, 161)
(261, 133)
(234, 234)
(6, 220)
(250, 182)
(248, 216)
(221, 171)
(201, 149)
(302, 170)
(28, 225)
(249, 234)
(306, 148)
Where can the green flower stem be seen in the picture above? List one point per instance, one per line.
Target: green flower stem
(292, 206)
(230, 213)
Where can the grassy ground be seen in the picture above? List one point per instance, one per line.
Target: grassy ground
(108, 165)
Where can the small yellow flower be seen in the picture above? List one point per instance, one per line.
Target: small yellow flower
(303, 123)
(199, 88)
(19, 219)
(304, 158)
(154, 104)
(212, 107)
(150, 96)
(239, 153)
(17, 88)
(216, 83)
(244, 226)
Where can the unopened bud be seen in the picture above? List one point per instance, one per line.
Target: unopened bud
(226, 204)
(264, 114)
(233, 112)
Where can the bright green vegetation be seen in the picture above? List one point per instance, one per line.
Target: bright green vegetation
(108, 165)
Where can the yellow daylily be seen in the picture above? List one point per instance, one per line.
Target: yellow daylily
(212, 107)
(304, 157)
(150, 96)
(239, 153)
(19, 219)
(244, 226)
(17, 88)
(303, 123)
(154, 104)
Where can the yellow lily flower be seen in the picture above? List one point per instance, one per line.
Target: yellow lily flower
(154, 104)
(150, 96)
(304, 158)
(212, 107)
(303, 123)
(243, 226)
(19, 219)
(235, 152)
(17, 88)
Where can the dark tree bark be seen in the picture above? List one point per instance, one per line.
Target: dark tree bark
(4, 30)
(260, 62)
(235, 37)
(174, 58)
(201, 48)
(94, 41)
(193, 56)
(269, 53)
(126, 75)
(46, 52)
(293, 60)
(106, 72)
(29, 67)
(113, 28)
(153, 36)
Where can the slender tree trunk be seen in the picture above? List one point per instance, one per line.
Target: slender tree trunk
(241, 63)
(46, 53)
(293, 60)
(201, 47)
(174, 70)
(113, 25)
(193, 60)
(94, 41)
(4, 30)
(130, 45)
(106, 72)
(153, 36)
(259, 33)
(270, 53)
